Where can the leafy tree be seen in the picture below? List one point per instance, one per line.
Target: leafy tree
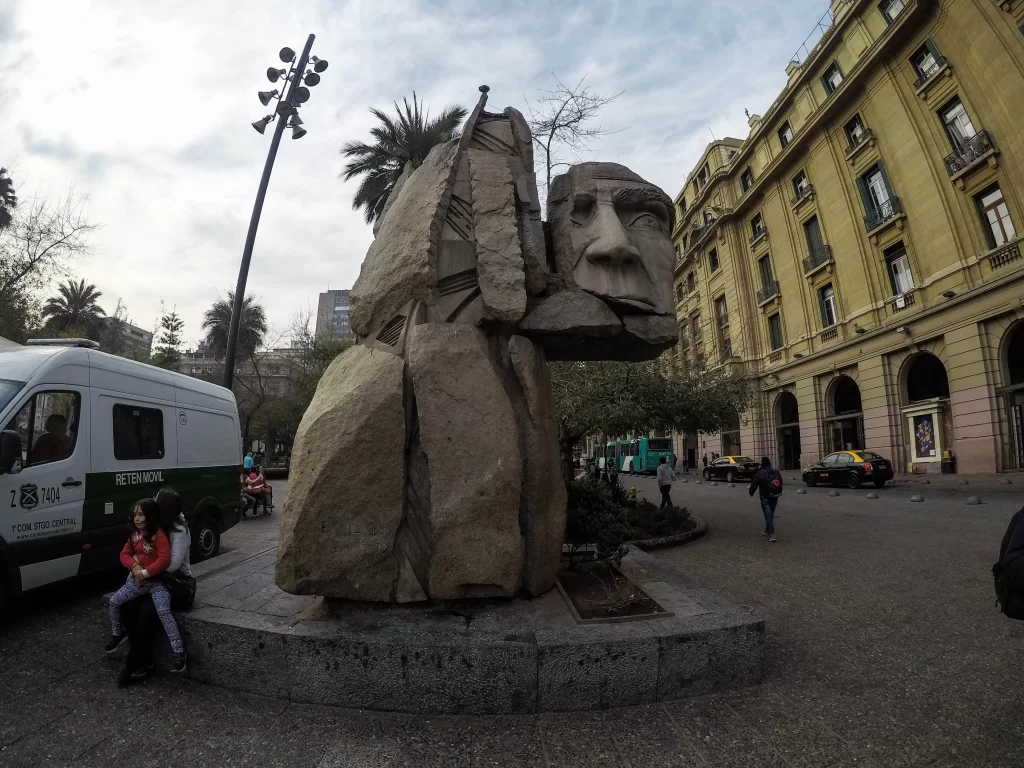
(168, 349)
(405, 139)
(74, 308)
(252, 327)
(279, 417)
(610, 399)
(8, 200)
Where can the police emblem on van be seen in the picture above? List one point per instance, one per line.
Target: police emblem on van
(29, 496)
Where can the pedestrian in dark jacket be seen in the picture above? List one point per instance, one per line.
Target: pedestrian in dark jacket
(768, 484)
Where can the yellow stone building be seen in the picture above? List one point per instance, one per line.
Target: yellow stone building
(859, 255)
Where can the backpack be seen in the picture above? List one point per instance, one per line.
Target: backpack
(1009, 583)
(774, 480)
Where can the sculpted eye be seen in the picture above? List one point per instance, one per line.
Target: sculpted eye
(646, 221)
(582, 209)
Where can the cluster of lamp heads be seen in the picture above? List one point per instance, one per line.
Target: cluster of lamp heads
(300, 95)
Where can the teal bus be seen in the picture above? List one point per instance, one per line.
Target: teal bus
(643, 455)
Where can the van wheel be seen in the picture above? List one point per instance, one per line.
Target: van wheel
(206, 539)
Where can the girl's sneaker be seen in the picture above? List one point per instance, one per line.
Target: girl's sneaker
(178, 662)
(114, 643)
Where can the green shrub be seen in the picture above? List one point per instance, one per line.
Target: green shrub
(650, 522)
(593, 518)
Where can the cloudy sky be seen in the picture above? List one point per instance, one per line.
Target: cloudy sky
(145, 110)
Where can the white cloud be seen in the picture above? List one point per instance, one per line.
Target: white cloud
(145, 108)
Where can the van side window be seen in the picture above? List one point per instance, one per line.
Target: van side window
(138, 433)
(48, 427)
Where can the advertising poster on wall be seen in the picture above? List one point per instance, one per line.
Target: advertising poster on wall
(924, 436)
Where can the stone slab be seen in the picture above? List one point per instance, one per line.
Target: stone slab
(349, 447)
(401, 264)
(475, 541)
(477, 657)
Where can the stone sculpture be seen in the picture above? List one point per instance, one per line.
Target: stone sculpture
(427, 464)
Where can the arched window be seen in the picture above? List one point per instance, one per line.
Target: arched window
(926, 379)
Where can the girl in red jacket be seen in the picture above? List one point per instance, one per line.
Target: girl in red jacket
(147, 555)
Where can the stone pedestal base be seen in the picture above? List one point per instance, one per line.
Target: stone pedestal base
(469, 657)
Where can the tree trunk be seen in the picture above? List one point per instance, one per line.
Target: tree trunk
(565, 446)
(271, 443)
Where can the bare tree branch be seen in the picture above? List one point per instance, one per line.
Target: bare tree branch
(40, 242)
(559, 121)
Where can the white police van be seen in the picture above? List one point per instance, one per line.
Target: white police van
(83, 435)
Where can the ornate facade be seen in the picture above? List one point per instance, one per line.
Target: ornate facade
(859, 253)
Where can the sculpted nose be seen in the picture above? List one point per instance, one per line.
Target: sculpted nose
(611, 243)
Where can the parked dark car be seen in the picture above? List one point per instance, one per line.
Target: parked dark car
(731, 468)
(850, 468)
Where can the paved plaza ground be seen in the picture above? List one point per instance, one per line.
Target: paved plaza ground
(884, 649)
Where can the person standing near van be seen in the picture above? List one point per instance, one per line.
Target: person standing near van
(705, 460)
(140, 617)
(768, 484)
(665, 478)
(247, 462)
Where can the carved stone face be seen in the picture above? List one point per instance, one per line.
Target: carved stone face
(611, 236)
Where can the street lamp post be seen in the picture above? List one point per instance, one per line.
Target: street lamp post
(287, 110)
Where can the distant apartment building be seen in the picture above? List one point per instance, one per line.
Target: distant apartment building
(332, 315)
(139, 339)
(272, 373)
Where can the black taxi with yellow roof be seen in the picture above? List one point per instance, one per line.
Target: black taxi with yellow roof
(850, 468)
(731, 468)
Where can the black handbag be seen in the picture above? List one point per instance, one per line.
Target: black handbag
(182, 589)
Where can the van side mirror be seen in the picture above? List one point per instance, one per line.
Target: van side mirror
(10, 452)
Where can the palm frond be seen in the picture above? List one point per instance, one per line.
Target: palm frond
(407, 136)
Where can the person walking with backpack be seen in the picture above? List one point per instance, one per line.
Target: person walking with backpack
(768, 484)
(1009, 571)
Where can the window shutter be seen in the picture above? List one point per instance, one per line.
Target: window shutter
(825, 85)
(865, 195)
(821, 308)
(932, 49)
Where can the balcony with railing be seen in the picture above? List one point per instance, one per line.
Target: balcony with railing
(969, 154)
(817, 260)
(927, 77)
(723, 320)
(803, 193)
(858, 142)
(758, 235)
(701, 236)
(768, 292)
(830, 334)
(902, 302)
(1003, 255)
(884, 213)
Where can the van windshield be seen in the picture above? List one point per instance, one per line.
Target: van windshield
(8, 390)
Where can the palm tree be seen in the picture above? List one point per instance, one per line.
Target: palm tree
(7, 198)
(74, 308)
(252, 328)
(408, 139)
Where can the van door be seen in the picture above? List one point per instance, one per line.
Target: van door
(133, 456)
(41, 499)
